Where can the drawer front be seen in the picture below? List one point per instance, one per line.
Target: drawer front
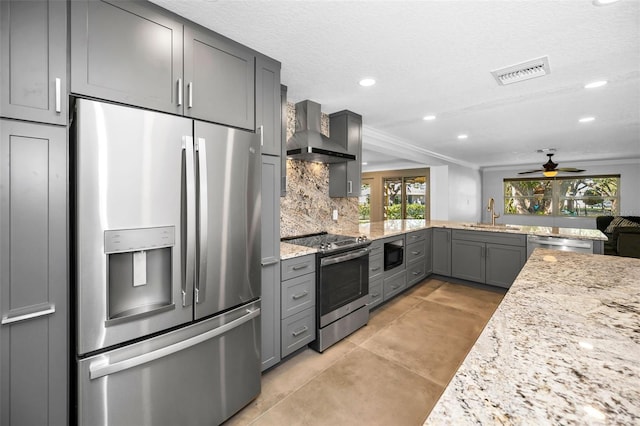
(415, 236)
(375, 293)
(297, 266)
(298, 294)
(376, 248)
(490, 237)
(416, 251)
(298, 331)
(415, 273)
(376, 266)
(394, 285)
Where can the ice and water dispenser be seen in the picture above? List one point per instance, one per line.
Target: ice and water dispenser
(139, 271)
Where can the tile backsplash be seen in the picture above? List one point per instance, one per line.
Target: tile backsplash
(307, 207)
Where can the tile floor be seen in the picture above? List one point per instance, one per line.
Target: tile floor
(390, 372)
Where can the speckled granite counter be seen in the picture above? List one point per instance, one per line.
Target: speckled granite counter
(287, 251)
(563, 347)
(377, 230)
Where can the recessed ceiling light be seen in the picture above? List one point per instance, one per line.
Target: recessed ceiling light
(463, 136)
(595, 84)
(366, 82)
(603, 2)
(586, 119)
(429, 117)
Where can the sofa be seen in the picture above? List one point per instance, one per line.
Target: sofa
(623, 233)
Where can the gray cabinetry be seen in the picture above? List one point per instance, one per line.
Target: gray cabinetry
(218, 79)
(269, 105)
(428, 258)
(270, 245)
(33, 274)
(344, 178)
(416, 252)
(487, 257)
(376, 276)
(33, 60)
(129, 52)
(441, 251)
(394, 284)
(298, 327)
(283, 140)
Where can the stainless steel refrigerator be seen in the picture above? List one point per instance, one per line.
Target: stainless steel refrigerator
(167, 267)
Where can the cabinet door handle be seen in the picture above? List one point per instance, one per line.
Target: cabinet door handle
(417, 272)
(261, 135)
(415, 253)
(299, 332)
(190, 90)
(414, 236)
(269, 262)
(47, 310)
(58, 97)
(375, 269)
(180, 92)
(298, 267)
(299, 295)
(349, 187)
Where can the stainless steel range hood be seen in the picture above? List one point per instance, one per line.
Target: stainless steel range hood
(308, 143)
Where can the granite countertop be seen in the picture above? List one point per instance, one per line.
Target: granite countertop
(387, 228)
(288, 251)
(562, 348)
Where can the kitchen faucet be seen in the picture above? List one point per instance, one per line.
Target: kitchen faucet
(490, 208)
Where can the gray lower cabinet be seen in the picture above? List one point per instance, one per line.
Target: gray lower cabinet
(33, 274)
(394, 284)
(33, 60)
(441, 251)
(269, 105)
(428, 258)
(270, 245)
(487, 257)
(129, 52)
(416, 252)
(298, 303)
(218, 79)
(376, 276)
(344, 178)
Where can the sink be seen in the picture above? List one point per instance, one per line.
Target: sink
(490, 226)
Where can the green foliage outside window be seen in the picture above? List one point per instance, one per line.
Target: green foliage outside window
(566, 196)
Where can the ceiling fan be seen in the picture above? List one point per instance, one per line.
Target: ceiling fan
(550, 169)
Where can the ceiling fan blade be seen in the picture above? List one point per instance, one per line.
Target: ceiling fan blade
(570, 169)
(531, 171)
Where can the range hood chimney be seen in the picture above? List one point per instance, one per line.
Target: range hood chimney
(308, 143)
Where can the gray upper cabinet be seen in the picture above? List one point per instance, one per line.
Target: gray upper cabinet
(129, 52)
(441, 251)
(283, 139)
(268, 105)
(33, 274)
(33, 60)
(345, 128)
(218, 79)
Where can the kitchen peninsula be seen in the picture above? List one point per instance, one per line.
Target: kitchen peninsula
(562, 347)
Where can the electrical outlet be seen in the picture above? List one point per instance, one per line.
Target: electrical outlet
(335, 214)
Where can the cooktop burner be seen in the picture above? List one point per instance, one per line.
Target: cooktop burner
(326, 243)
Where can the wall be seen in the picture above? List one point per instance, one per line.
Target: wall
(307, 207)
(629, 171)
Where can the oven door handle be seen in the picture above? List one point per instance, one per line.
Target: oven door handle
(344, 257)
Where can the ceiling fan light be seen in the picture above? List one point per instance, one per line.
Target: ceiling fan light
(550, 173)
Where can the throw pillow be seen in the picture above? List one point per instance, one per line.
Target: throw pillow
(619, 221)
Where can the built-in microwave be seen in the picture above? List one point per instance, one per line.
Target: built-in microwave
(393, 254)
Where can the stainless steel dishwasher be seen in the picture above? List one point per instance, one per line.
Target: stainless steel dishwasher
(557, 243)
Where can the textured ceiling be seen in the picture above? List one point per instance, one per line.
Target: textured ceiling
(435, 57)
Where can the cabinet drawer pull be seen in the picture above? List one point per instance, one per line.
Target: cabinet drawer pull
(58, 96)
(299, 332)
(417, 272)
(46, 310)
(299, 295)
(415, 236)
(393, 287)
(375, 269)
(374, 295)
(298, 267)
(415, 253)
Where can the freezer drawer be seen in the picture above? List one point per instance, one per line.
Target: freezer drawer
(198, 375)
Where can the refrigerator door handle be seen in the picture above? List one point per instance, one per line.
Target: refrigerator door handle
(102, 367)
(203, 220)
(187, 284)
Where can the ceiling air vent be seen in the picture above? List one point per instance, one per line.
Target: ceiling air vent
(522, 71)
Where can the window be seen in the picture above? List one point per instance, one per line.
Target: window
(566, 196)
(404, 197)
(364, 201)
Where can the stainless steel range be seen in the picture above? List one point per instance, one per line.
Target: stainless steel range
(342, 285)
